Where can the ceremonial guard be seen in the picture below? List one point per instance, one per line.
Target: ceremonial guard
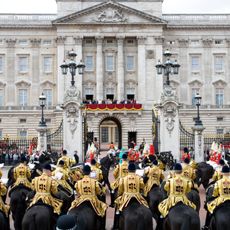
(68, 161)
(87, 190)
(22, 174)
(188, 171)
(62, 176)
(186, 154)
(177, 187)
(121, 170)
(96, 172)
(130, 186)
(218, 172)
(3, 207)
(45, 186)
(155, 176)
(221, 192)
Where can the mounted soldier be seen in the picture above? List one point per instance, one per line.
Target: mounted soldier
(218, 172)
(4, 208)
(45, 187)
(67, 160)
(21, 174)
(96, 172)
(177, 187)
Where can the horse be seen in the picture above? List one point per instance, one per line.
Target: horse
(4, 221)
(135, 216)
(181, 217)
(204, 174)
(86, 217)
(18, 204)
(40, 217)
(220, 217)
(154, 197)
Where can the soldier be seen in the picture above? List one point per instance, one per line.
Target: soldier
(177, 188)
(121, 170)
(155, 176)
(185, 154)
(68, 161)
(22, 174)
(45, 186)
(87, 190)
(3, 207)
(218, 175)
(188, 170)
(62, 176)
(96, 171)
(221, 192)
(130, 186)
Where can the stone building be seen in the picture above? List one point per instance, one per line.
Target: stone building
(120, 42)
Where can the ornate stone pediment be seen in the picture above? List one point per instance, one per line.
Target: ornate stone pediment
(219, 83)
(22, 84)
(47, 83)
(195, 83)
(109, 12)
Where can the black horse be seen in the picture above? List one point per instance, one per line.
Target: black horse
(204, 174)
(4, 221)
(220, 218)
(181, 217)
(39, 217)
(86, 218)
(18, 204)
(135, 217)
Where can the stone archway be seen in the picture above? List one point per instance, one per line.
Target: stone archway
(110, 130)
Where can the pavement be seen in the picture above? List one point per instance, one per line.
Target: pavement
(110, 211)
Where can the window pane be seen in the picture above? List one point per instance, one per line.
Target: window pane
(195, 63)
(1, 97)
(47, 64)
(219, 63)
(109, 63)
(104, 134)
(23, 64)
(116, 134)
(89, 63)
(23, 97)
(219, 97)
(130, 63)
(48, 94)
(195, 91)
(23, 134)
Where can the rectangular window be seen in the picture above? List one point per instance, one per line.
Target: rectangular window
(104, 134)
(48, 94)
(109, 63)
(22, 134)
(195, 63)
(1, 134)
(47, 42)
(195, 91)
(1, 64)
(219, 97)
(22, 120)
(219, 63)
(219, 131)
(1, 97)
(23, 97)
(23, 42)
(89, 63)
(23, 64)
(116, 135)
(130, 63)
(47, 64)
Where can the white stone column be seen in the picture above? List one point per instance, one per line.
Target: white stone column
(99, 69)
(78, 50)
(120, 69)
(199, 143)
(42, 138)
(141, 73)
(60, 77)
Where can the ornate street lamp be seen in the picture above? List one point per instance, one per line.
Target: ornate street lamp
(72, 66)
(42, 103)
(198, 122)
(168, 67)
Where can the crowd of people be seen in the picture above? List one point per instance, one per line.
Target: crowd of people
(88, 183)
(109, 101)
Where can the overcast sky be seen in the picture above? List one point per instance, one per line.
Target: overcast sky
(169, 6)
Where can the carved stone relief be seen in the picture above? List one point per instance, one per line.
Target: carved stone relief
(72, 94)
(72, 114)
(169, 113)
(110, 15)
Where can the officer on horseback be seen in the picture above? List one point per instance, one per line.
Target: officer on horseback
(22, 174)
(177, 187)
(45, 186)
(3, 207)
(95, 171)
(221, 193)
(218, 173)
(68, 161)
(87, 190)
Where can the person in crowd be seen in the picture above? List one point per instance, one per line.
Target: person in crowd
(22, 174)
(88, 189)
(177, 187)
(45, 187)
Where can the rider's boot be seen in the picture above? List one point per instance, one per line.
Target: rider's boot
(116, 220)
(112, 196)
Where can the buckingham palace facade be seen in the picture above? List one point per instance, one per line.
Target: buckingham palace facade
(120, 43)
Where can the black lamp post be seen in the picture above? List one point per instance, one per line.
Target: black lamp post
(168, 67)
(72, 66)
(198, 122)
(42, 102)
